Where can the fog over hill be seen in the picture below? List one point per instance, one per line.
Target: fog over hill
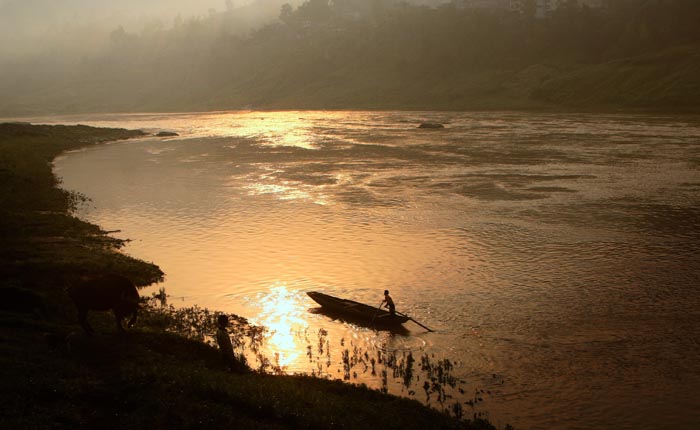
(31, 26)
(80, 55)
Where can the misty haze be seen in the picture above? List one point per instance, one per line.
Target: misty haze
(499, 54)
(418, 214)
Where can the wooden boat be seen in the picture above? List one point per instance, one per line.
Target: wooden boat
(358, 312)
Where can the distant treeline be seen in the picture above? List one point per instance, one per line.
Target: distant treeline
(376, 54)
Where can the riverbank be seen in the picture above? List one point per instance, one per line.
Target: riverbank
(55, 377)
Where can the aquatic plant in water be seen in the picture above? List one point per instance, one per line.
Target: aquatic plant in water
(393, 371)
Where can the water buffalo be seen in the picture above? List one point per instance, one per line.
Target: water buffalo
(104, 293)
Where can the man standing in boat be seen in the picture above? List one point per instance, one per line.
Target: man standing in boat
(388, 303)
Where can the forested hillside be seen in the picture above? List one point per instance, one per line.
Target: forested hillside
(344, 54)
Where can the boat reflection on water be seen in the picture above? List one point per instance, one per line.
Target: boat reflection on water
(358, 321)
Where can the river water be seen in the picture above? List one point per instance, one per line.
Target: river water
(555, 256)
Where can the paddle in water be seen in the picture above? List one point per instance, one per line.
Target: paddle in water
(411, 318)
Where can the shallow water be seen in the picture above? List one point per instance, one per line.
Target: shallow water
(556, 256)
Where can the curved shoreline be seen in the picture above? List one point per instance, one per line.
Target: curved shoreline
(146, 377)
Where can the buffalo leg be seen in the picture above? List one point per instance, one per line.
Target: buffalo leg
(133, 319)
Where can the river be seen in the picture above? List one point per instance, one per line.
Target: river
(554, 255)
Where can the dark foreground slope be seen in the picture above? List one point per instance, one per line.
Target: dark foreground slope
(55, 377)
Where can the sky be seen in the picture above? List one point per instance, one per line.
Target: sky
(30, 25)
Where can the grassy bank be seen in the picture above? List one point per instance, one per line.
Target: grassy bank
(56, 377)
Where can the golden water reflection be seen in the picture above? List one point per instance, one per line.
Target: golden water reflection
(282, 312)
(299, 340)
(287, 190)
(278, 129)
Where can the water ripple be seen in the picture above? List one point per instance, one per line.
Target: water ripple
(556, 255)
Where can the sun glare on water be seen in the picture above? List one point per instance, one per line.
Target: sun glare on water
(276, 129)
(282, 313)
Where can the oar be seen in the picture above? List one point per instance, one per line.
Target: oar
(376, 312)
(411, 318)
